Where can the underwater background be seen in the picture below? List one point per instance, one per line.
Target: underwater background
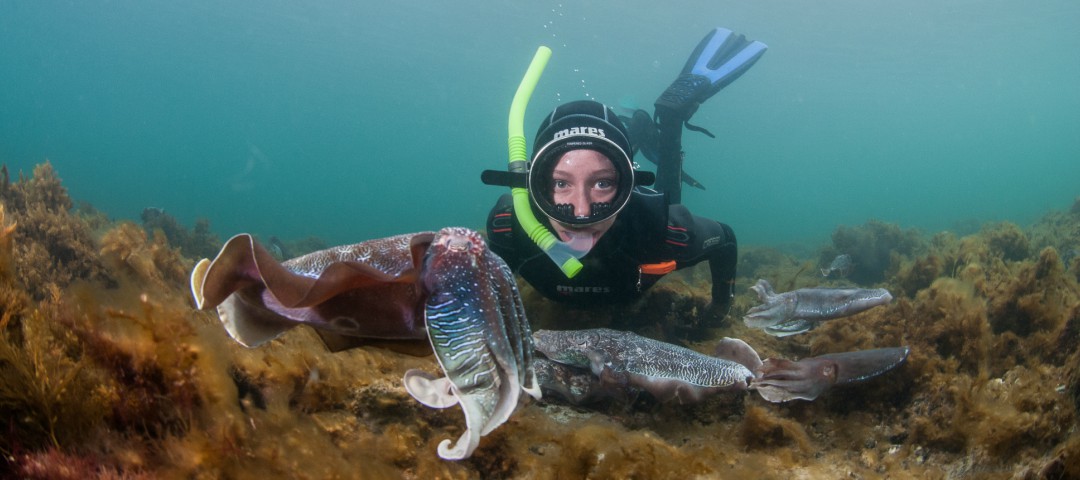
(933, 142)
(352, 120)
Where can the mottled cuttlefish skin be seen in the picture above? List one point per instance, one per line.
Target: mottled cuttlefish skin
(666, 371)
(575, 385)
(799, 310)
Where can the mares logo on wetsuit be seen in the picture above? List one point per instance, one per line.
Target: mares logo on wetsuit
(567, 289)
(591, 131)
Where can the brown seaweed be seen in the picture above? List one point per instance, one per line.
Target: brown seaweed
(200, 242)
(874, 248)
(107, 371)
(52, 247)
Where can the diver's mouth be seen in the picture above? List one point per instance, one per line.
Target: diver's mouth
(579, 240)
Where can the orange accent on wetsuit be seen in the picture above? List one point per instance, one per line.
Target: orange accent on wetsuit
(662, 268)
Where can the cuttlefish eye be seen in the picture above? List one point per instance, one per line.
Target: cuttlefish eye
(589, 339)
(459, 245)
(829, 372)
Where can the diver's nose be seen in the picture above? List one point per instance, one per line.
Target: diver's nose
(581, 202)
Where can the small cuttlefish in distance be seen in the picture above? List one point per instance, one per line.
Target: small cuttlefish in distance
(842, 264)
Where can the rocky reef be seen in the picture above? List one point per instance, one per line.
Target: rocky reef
(108, 371)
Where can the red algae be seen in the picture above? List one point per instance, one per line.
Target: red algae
(108, 371)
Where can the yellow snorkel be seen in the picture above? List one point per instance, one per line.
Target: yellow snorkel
(563, 256)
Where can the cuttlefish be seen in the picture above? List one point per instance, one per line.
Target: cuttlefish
(667, 371)
(798, 311)
(443, 292)
(622, 359)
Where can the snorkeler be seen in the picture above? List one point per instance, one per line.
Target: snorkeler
(582, 185)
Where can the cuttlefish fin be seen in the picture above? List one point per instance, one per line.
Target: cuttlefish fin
(793, 327)
(245, 318)
(198, 277)
(249, 322)
(780, 380)
(239, 269)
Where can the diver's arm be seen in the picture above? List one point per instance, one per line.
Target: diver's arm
(723, 259)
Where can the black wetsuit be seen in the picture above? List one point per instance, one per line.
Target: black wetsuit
(648, 232)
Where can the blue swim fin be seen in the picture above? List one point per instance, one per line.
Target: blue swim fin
(719, 59)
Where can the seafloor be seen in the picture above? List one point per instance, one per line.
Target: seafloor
(107, 370)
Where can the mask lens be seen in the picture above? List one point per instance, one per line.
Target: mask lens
(580, 180)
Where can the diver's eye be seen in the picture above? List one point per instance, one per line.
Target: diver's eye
(561, 184)
(605, 184)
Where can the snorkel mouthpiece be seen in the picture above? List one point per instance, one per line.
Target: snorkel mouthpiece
(564, 255)
(579, 241)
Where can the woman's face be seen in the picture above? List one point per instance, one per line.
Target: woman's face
(582, 178)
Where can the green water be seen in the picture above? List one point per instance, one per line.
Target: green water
(355, 120)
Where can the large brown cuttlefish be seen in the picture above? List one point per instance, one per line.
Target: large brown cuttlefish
(417, 293)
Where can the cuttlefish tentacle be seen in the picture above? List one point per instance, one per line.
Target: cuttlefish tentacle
(779, 380)
(797, 311)
(480, 337)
